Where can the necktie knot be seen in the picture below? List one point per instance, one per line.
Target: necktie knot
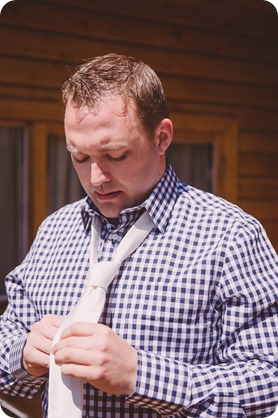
(102, 273)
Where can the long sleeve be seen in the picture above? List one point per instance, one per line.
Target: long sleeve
(243, 379)
(34, 290)
(15, 325)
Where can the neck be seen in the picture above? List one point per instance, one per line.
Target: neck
(113, 221)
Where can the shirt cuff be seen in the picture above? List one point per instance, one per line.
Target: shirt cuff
(163, 384)
(15, 362)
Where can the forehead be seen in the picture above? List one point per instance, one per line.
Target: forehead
(112, 121)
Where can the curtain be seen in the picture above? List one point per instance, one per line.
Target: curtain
(62, 181)
(193, 164)
(13, 201)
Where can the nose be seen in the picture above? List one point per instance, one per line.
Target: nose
(98, 175)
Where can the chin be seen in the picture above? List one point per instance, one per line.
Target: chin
(109, 214)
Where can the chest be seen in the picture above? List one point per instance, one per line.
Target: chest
(162, 299)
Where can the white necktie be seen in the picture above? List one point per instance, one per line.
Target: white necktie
(66, 393)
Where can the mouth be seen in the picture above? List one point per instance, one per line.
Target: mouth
(107, 196)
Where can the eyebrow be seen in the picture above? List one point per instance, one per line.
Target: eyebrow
(102, 148)
(72, 150)
(111, 147)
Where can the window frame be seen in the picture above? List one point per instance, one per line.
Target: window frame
(222, 133)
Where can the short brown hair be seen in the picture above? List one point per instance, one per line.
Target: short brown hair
(121, 75)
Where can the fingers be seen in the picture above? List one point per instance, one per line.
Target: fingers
(36, 352)
(47, 326)
(75, 356)
(81, 342)
(83, 350)
(96, 354)
(84, 329)
(84, 373)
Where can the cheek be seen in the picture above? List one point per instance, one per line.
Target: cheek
(140, 179)
(83, 173)
(125, 172)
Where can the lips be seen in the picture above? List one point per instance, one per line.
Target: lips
(107, 196)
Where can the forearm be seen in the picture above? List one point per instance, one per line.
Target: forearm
(250, 386)
(244, 389)
(162, 384)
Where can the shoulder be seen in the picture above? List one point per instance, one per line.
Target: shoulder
(211, 211)
(64, 218)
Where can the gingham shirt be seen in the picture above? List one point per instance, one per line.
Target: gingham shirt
(197, 299)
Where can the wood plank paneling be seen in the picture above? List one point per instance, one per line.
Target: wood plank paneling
(258, 120)
(214, 93)
(257, 143)
(256, 189)
(31, 111)
(42, 94)
(26, 72)
(223, 16)
(258, 165)
(255, 121)
(68, 49)
(43, 19)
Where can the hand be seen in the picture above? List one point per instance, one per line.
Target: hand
(95, 354)
(38, 344)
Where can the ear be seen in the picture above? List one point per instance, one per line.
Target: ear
(164, 135)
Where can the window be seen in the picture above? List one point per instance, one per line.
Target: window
(193, 164)
(212, 144)
(13, 200)
(63, 185)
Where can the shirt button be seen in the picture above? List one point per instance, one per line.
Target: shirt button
(114, 237)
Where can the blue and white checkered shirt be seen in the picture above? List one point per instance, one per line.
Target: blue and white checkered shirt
(198, 300)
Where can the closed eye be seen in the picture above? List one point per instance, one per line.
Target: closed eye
(116, 159)
(80, 160)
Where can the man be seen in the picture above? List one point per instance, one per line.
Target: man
(190, 323)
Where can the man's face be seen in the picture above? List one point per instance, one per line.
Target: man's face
(117, 164)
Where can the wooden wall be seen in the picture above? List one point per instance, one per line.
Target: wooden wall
(216, 58)
(218, 61)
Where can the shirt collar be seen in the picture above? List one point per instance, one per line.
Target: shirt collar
(162, 199)
(159, 204)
